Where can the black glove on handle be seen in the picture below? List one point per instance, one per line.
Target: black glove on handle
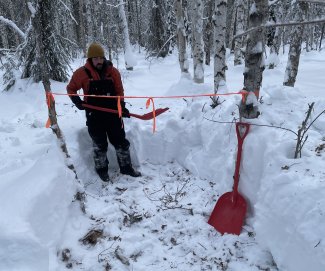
(125, 111)
(78, 102)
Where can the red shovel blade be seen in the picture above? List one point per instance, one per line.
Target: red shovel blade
(149, 116)
(229, 213)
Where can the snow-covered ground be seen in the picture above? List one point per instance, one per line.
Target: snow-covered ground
(159, 221)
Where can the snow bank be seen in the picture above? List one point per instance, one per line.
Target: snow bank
(35, 200)
(34, 192)
(286, 206)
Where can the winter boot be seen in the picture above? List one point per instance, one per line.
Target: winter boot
(124, 161)
(102, 173)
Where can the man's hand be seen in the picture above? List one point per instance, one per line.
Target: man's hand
(77, 102)
(125, 113)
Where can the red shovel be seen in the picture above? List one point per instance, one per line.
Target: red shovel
(147, 116)
(229, 212)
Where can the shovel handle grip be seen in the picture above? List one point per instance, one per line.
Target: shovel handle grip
(240, 137)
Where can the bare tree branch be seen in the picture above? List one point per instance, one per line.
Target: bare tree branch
(276, 25)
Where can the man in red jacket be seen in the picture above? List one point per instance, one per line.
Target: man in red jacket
(99, 77)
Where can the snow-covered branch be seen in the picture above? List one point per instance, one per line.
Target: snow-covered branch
(276, 25)
(69, 11)
(13, 25)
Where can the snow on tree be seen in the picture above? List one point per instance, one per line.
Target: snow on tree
(129, 58)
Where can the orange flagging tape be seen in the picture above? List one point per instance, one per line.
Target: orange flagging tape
(49, 101)
(150, 99)
(153, 112)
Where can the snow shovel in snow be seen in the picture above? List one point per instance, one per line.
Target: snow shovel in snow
(229, 212)
(147, 116)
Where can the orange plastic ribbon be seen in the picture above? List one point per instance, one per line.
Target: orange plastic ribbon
(150, 100)
(49, 101)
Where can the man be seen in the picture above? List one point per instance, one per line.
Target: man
(99, 77)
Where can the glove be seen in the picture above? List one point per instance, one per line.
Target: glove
(77, 102)
(125, 113)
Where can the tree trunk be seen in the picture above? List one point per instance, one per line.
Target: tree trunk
(208, 33)
(90, 25)
(220, 13)
(295, 46)
(198, 50)
(181, 36)
(254, 61)
(240, 27)
(82, 28)
(38, 25)
(130, 61)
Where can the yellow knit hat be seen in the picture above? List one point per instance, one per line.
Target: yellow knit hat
(95, 50)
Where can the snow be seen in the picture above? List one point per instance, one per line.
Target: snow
(159, 221)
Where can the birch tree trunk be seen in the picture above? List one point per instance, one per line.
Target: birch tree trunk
(181, 36)
(220, 13)
(295, 46)
(130, 61)
(198, 48)
(254, 59)
(208, 33)
(240, 27)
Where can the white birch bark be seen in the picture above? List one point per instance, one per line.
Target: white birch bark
(129, 58)
(220, 12)
(198, 48)
(241, 5)
(181, 36)
(254, 59)
(295, 46)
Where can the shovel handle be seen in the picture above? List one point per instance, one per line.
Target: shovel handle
(240, 137)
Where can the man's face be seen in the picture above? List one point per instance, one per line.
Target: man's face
(98, 62)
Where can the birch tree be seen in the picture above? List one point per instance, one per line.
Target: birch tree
(240, 6)
(198, 47)
(291, 72)
(254, 61)
(129, 58)
(181, 36)
(208, 32)
(220, 66)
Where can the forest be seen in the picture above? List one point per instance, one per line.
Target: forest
(40, 38)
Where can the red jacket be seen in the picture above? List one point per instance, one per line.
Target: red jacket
(80, 79)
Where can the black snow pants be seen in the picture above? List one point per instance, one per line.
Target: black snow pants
(103, 126)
